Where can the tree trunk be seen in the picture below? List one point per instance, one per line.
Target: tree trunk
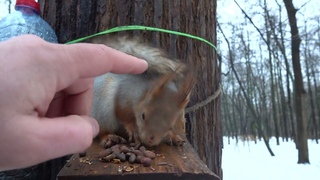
(300, 93)
(250, 106)
(317, 99)
(285, 105)
(272, 79)
(74, 19)
(312, 128)
(283, 109)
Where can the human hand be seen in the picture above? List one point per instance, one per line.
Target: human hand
(45, 97)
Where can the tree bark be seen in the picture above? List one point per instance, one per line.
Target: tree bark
(74, 19)
(313, 129)
(300, 93)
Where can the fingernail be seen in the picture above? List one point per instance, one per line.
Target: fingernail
(143, 66)
(95, 127)
(144, 62)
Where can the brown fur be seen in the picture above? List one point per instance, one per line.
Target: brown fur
(127, 118)
(146, 106)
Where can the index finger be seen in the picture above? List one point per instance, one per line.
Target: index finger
(101, 58)
(67, 63)
(90, 60)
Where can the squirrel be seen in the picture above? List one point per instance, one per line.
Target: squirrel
(143, 107)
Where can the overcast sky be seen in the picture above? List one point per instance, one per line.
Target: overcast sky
(229, 12)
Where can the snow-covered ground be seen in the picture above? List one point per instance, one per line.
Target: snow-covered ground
(250, 161)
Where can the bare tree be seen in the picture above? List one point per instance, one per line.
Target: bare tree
(312, 124)
(256, 124)
(9, 5)
(300, 93)
(272, 79)
(73, 19)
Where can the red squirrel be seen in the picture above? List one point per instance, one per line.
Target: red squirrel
(145, 106)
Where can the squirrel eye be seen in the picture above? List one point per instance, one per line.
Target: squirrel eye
(142, 116)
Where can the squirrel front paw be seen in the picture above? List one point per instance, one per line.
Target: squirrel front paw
(174, 139)
(134, 137)
(111, 139)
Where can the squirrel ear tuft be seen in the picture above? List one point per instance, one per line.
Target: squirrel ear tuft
(161, 83)
(185, 90)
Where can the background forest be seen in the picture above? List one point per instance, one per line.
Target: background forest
(255, 42)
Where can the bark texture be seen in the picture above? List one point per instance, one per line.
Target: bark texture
(300, 93)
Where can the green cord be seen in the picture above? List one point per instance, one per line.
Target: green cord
(146, 28)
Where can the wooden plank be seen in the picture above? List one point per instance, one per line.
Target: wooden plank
(172, 162)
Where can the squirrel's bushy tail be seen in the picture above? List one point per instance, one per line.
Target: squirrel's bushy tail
(158, 61)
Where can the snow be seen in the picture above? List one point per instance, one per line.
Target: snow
(249, 161)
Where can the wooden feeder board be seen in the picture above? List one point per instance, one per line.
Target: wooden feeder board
(172, 162)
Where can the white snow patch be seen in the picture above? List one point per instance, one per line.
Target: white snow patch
(250, 161)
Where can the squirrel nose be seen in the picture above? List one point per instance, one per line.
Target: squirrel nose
(150, 141)
(151, 138)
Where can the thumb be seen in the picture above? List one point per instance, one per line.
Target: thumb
(44, 139)
(70, 134)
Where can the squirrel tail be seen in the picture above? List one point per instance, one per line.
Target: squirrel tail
(158, 61)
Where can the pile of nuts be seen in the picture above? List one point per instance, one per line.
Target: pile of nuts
(121, 150)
